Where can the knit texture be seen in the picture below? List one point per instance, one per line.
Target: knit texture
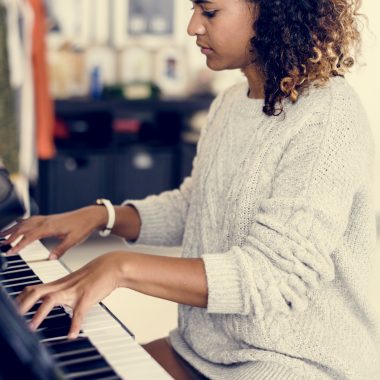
(280, 209)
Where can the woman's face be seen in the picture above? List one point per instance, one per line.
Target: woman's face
(223, 29)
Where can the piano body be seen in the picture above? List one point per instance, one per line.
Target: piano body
(105, 348)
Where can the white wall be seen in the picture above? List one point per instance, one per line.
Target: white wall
(366, 80)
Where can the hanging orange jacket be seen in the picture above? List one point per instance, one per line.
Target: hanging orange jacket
(43, 101)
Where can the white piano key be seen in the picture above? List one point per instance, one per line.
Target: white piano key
(127, 358)
(34, 251)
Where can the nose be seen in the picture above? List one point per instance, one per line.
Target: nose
(195, 26)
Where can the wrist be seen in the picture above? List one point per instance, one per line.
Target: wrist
(111, 213)
(123, 264)
(99, 216)
(129, 222)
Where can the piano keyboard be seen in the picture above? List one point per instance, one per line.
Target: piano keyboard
(105, 349)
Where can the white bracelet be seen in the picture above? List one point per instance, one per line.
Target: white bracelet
(111, 216)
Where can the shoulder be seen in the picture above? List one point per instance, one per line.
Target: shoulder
(334, 100)
(335, 106)
(336, 113)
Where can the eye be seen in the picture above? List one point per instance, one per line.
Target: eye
(205, 13)
(209, 14)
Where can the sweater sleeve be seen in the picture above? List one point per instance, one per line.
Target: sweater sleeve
(287, 253)
(163, 216)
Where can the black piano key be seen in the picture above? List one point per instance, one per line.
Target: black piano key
(19, 288)
(48, 333)
(68, 345)
(91, 365)
(17, 273)
(36, 306)
(46, 323)
(57, 310)
(85, 354)
(5, 247)
(104, 375)
(14, 295)
(64, 350)
(15, 257)
(55, 322)
(15, 265)
(17, 281)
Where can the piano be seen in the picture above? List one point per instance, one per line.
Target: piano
(105, 349)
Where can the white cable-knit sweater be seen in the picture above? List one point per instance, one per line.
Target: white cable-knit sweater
(281, 211)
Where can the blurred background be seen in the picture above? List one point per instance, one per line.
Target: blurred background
(106, 98)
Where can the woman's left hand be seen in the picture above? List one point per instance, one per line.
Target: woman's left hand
(79, 290)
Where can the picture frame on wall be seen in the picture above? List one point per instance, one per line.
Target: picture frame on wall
(68, 22)
(150, 23)
(136, 65)
(171, 71)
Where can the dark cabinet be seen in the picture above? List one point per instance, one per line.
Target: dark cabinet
(99, 161)
(142, 171)
(71, 181)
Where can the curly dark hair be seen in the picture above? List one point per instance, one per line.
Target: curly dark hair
(299, 42)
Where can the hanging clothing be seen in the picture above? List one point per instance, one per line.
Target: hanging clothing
(8, 126)
(43, 101)
(14, 43)
(19, 35)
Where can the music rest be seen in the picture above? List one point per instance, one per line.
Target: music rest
(11, 205)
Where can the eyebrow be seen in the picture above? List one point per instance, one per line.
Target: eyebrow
(201, 1)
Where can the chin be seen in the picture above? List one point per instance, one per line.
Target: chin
(216, 65)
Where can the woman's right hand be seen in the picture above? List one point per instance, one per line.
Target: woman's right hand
(71, 228)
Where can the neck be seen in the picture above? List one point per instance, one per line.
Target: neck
(255, 81)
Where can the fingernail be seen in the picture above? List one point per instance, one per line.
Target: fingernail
(71, 336)
(53, 256)
(32, 326)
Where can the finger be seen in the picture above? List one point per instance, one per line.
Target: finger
(10, 230)
(21, 244)
(14, 227)
(27, 233)
(21, 219)
(60, 249)
(25, 240)
(29, 297)
(78, 316)
(11, 239)
(47, 305)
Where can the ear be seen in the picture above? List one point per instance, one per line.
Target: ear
(253, 7)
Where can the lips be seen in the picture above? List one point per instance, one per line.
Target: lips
(203, 46)
(205, 49)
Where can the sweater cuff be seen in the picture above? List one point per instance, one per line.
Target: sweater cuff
(225, 294)
(151, 225)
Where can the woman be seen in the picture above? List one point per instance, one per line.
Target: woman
(276, 221)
